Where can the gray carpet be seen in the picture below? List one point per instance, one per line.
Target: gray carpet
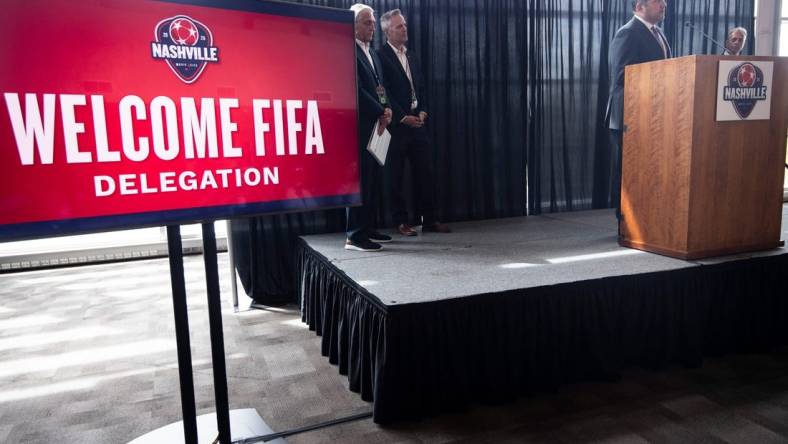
(498, 255)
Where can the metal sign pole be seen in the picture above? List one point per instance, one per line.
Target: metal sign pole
(217, 332)
(182, 333)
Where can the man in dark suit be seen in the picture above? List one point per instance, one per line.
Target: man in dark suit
(409, 138)
(373, 108)
(639, 41)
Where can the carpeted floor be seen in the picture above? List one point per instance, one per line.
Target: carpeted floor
(491, 256)
(87, 355)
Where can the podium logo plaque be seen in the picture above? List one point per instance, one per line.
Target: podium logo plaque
(744, 90)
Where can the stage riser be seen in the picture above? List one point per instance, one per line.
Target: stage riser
(414, 360)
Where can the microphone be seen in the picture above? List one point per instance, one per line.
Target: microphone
(691, 25)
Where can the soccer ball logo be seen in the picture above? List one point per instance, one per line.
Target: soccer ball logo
(742, 88)
(746, 76)
(184, 32)
(186, 45)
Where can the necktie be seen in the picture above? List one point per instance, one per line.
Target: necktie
(661, 42)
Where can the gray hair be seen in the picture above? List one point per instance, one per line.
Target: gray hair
(385, 19)
(737, 29)
(358, 8)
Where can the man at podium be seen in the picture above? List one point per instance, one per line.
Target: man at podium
(638, 41)
(735, 41)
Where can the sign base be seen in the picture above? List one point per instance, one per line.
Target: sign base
(244, 423)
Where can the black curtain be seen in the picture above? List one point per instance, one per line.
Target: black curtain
(568, 151)
(517, 91)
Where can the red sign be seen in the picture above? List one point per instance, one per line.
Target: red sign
(119, 113)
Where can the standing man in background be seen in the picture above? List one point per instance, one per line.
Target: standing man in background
(373, 108)
(734, 43)
(409, 138)
(639, 41)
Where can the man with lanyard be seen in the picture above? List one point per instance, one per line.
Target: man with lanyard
(373, 108)
(409, 137)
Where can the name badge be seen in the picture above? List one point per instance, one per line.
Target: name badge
(381, 94)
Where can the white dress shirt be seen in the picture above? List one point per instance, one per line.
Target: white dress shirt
(403, 60)
(402, 56)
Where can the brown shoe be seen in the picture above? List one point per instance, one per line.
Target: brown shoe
(436, 227)
(406, 230)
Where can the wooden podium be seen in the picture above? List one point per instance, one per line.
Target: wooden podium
(693, 187)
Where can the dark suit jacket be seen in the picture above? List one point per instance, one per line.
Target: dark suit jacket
(398, 85)
(369, 106)
(633, 43)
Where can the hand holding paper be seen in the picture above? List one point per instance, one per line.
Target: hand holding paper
(378, 144)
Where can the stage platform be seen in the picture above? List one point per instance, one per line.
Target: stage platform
(505, 307)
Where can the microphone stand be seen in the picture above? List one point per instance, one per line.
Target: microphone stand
(724, 49)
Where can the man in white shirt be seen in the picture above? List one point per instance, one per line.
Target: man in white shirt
(409, 138)
(734, 43)
(639, 41)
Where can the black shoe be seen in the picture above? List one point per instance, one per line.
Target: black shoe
(380, 238)
(362, 245)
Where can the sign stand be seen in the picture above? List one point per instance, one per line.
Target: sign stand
(247, 419)
(250, 423)
(182, 334)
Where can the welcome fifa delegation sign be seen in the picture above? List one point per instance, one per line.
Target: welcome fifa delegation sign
(119, 113)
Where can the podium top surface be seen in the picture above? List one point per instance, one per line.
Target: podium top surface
(705, 57)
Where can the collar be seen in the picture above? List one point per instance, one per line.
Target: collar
(645, 22)
(396, 51)
(363, 45)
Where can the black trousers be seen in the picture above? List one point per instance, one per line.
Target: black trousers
(361, 219)
(617, 143)
(410, 145)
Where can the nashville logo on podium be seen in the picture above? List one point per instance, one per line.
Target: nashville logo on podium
(745, 88)
(186, 45)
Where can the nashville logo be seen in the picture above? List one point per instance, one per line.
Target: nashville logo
(745, 88)
(186, 45)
